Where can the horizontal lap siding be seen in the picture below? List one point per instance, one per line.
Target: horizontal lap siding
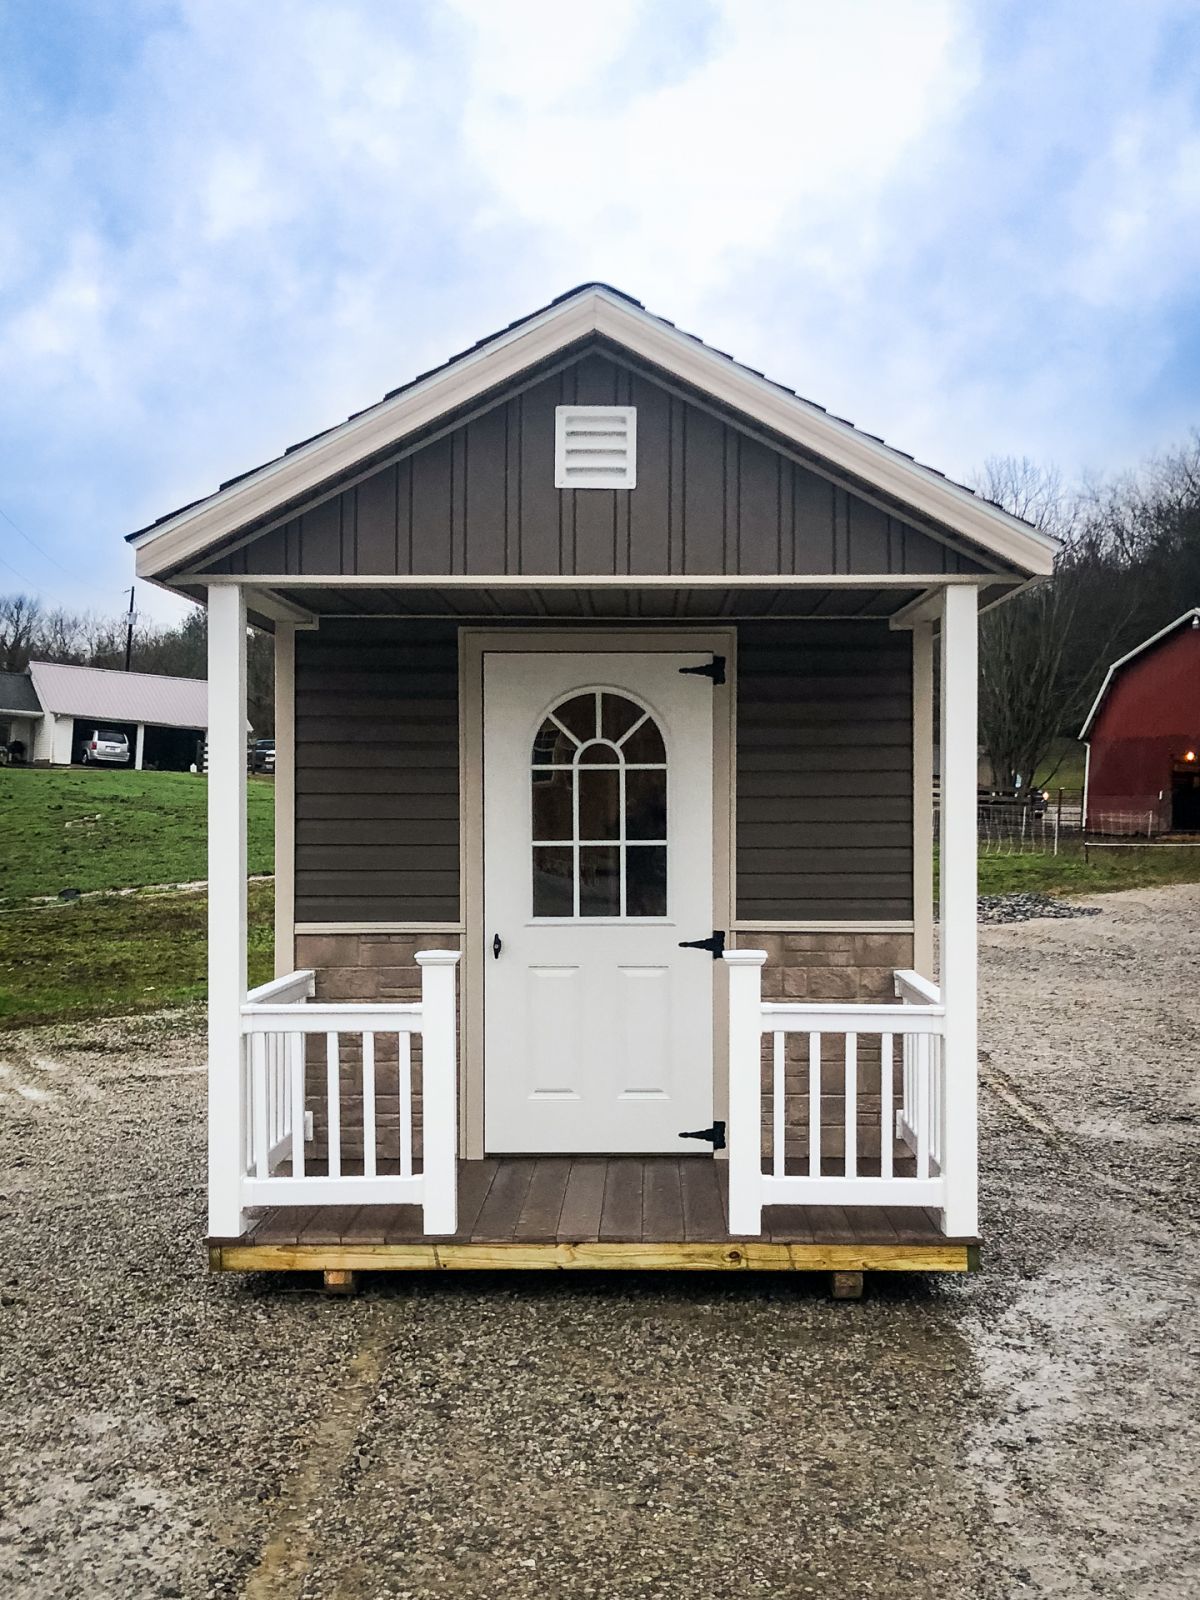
(377, 805)
(824, 772)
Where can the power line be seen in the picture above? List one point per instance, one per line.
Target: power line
(31, 541)
(20, 576)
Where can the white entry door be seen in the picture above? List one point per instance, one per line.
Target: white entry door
(598, 852)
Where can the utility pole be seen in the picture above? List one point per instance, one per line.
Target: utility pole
(129, 631)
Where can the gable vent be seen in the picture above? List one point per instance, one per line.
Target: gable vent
(595, 447)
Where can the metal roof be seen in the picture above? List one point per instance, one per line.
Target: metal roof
(120, 696)
(17, 694)
(1192, 617)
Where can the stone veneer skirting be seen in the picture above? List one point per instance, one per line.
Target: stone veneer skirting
(800, 966)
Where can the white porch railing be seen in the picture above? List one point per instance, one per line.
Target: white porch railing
(277, 1020)
(826, 1163)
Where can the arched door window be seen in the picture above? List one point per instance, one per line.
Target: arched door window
(599, 810)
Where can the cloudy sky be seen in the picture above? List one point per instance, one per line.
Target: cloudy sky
(973, 228)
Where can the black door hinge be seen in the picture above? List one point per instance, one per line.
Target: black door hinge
(715, 1134)
(714, 669)
(716, 944)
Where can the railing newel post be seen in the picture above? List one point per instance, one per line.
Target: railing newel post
(439, 1088)
(745, 1089)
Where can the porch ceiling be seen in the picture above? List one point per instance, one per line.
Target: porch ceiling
(596, 603)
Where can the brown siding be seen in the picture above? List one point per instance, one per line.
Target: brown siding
(824, 772)
(377, 772)
(711, 499)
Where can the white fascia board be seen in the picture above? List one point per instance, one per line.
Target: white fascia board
(187, 535)
(1188, 616)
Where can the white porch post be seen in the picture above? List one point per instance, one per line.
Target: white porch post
(226, 906)
(745, 1089)
(439, 1089)
(139, 749)
(285, 798)
(958, 890)
(922, 689)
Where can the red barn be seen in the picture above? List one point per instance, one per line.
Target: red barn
(1143, 737)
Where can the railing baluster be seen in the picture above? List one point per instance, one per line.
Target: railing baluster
(258, 1103)
(887, 1116)
(814, 1105)
(368, 1086)
(333, 1088)
(778, 1104)
(272, 1046)
(851, 1105)
(924, 1056)
(297, 1086)
(404, 1068)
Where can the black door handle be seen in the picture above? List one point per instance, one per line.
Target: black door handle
(497, 947)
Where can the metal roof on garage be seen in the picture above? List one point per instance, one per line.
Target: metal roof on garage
(120, 696)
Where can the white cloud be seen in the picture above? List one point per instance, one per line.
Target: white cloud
(791, 112)
(966, 227)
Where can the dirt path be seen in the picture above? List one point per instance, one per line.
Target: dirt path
(1030, 1431)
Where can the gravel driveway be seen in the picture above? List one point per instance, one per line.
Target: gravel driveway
(1028, 1431)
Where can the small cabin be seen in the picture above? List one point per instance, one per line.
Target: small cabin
(1143, 738)
(604, 842)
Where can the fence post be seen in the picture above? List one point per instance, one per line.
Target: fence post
(745, 1089)
(439, 1090)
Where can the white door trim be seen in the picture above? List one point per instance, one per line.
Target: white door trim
(473, 644)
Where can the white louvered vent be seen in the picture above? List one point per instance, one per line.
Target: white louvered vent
(595, 447)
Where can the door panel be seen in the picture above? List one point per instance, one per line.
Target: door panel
(598, 853)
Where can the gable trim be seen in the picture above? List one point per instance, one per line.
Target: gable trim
(187, 535)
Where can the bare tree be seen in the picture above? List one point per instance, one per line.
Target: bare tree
(1040, 652)
(20, 620)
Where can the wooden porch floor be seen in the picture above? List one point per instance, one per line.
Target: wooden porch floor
(658, 1213)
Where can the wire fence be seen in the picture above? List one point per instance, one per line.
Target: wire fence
(1049, 823)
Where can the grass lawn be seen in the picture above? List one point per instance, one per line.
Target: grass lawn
(83, 829)
(114, 955)
(1071, 875)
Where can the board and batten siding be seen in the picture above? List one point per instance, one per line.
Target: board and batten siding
(824, 785)
(377, 804)
(712, 498)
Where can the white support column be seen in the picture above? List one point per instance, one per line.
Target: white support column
(226, 906)
(285, 798)
(139, 748)
(958, 886)
(922, 713)
(745, 1089)
(439, 1090)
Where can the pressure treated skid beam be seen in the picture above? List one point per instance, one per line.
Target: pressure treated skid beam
(741, 1256)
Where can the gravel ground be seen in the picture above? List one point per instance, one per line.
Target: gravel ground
(1028, 1431)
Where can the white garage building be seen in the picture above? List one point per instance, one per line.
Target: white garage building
(164, 719)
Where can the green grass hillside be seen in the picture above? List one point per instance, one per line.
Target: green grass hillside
(68, 829)
(115, 955)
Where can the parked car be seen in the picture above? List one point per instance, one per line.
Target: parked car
(262, 755)
(106, 744)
